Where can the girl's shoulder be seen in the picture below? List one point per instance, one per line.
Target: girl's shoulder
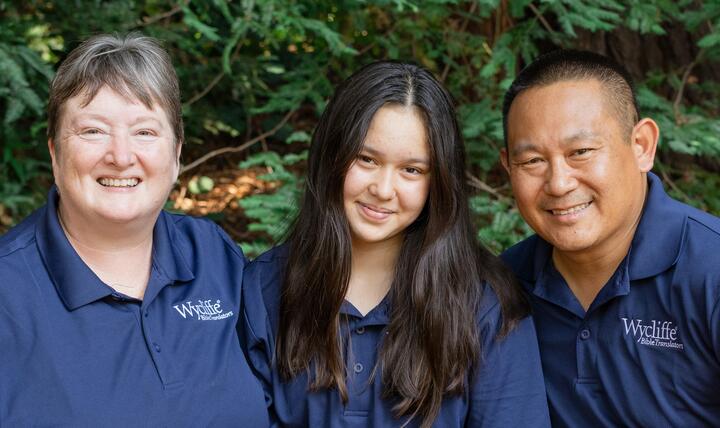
(262, 285)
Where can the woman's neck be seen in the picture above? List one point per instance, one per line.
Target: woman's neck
(372, 272)
(119, 256)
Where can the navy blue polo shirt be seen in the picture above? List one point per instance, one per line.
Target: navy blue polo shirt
(73, 352)
(647, 352)
(505, 391)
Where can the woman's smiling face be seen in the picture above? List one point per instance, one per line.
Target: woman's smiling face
(115, 160)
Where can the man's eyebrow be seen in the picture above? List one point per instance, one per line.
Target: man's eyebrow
(580, 135)
(522, 148)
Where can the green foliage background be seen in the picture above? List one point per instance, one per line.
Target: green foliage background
(266, 68)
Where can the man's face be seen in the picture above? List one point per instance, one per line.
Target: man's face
(577, 176)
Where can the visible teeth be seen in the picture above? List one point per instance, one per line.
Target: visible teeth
(118, 182)
(572, 210)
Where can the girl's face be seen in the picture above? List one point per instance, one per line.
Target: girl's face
(387, 185)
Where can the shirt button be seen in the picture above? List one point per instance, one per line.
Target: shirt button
(146, 313)
(358, 368)
(157, 347)
(360, 330)
(585, 334)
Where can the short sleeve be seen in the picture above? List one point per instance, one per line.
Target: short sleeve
(260, 304)
(715, 329)
(507, 388)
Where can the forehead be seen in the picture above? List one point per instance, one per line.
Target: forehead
(110, 106)
(398, 129)
(559, 111)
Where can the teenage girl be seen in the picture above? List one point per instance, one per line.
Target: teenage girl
(382, 309)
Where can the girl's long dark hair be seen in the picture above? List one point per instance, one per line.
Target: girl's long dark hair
(433, 339)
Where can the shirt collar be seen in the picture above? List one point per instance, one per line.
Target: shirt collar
(379, 315)
(654, 248)
(75, 282)
(167, 250)
(656, 244)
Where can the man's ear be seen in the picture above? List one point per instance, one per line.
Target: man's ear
(504, 159)
(644, 141)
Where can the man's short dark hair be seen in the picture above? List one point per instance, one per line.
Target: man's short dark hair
(564, 65)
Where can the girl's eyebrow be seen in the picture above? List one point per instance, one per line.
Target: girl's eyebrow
(374, 152)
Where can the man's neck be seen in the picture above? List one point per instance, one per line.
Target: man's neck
(586, 272)
(587, 277)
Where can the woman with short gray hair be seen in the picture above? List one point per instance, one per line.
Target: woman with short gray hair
(112, 311)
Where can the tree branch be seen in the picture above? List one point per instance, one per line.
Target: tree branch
(207, 89)
(463, 27)
(155, 18)
(236, 149)
(542, 19)
(681, 90)
(479, 184)
(671, 183)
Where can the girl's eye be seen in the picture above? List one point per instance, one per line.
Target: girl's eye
(412, 170)
(365, 159)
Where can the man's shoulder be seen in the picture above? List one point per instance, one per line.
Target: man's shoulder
(701, 229)
(700, 248)
(703, 225)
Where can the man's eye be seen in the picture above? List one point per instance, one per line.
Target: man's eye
(530, 162)
(581, 152)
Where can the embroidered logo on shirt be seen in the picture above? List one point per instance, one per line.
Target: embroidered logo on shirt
(204, 310)
(661, 334)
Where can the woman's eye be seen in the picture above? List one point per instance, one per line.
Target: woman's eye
(146, 133)
(365, 159)
(92, 133)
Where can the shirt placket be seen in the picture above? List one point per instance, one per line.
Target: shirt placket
(360, 360)
(151, 320)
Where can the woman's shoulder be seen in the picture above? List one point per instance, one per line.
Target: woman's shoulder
(199, 236)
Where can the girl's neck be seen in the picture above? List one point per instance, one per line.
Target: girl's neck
(372, 272)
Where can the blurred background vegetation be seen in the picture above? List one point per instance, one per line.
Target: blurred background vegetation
(255, 76)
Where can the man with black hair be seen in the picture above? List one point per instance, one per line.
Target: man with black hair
(624, 281)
